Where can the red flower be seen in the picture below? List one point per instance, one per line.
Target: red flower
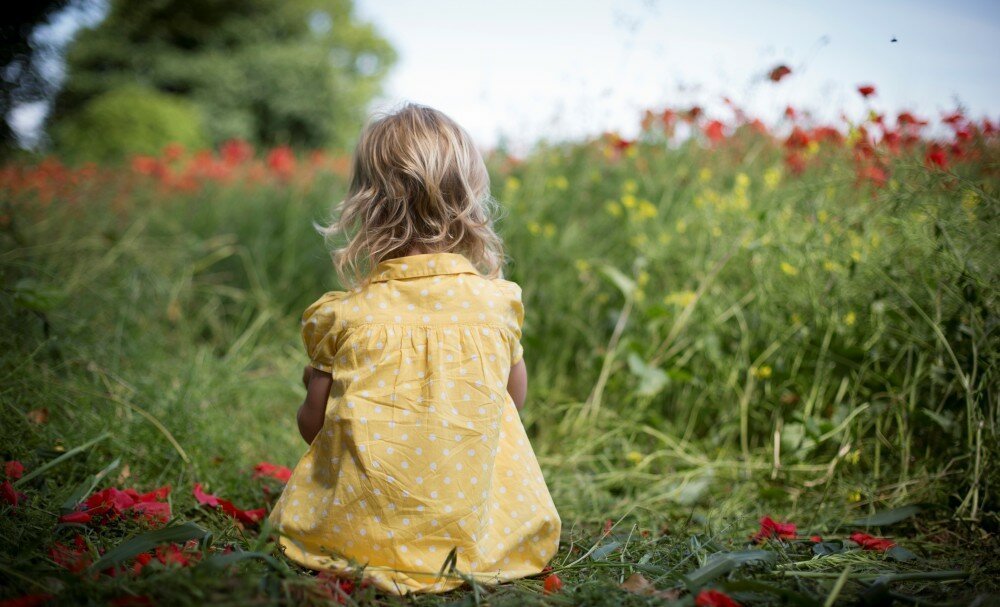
(866, 90)
(795, 162)
(954, 118)
(908, 119)
(75, 558)
(14, 470)
(868, 542)
(714, 131)
(714, 598)
(28, 600)
(281, 473)
(935, 157)
(815, 539)
(790, 112)
(247, 517)
(876, 174)
(236, 151)
(81, 518)
(281, 161)
(552, 584)
(114, 503)
(797, 139)
(9, 494)
(779, 72)
(693, 114)
(769, 528)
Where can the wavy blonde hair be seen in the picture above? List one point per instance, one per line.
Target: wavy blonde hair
(418, 185)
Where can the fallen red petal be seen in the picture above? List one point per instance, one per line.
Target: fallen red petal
(76, 517)
(552, 584)
(868, 542)
(714, 598)
(281, 473)
(14, 470)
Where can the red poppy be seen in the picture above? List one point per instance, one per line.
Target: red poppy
(552, 584)
(75, 558)
(281, 161)
(909, 119)
(935, 157)
(247, 517)
(797, 139)
(827, 134)
(714, 598)
(173, 151)
(714, 131)
(236, 151)
(790, 112)
(13, 469)
(953, 118)
(873, 173)
(81, 518)
(668, 117)
(866, 90)
(28, 600)
(815, 539)
(868, 542)
(778, 72)
(769, 528)
(693, 114)
(795, 162)
(281, 473)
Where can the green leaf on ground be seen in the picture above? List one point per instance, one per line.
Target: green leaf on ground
(887, 517)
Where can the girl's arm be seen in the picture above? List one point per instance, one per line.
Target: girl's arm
(313, 409)
(517, 384)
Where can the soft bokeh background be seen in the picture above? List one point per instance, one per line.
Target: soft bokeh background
(757, 250)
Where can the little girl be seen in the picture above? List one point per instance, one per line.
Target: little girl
(415, 380)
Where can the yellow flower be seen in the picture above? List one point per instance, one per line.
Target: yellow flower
(512, 184)
(642, 279)
(876, 240)
(812, 148)
(632, 151)
(664, 237)
(856, 255)
(634, 456)
(639, 240)
(705, 175)
(681, 299)
(772, 177)
(549, 230)
(742, 181)
(582, 265)
(629, 186)
(850, 318)
(614, 208)
(831, 266)
(681, 226)
(766, 239)
(789, 269)
(560, 182)
(646, 209)
(854, 456)
(716, 231)
(639, 295)
(855, 496)
(827, 238)
(534, 227)
(762, 372)
(628, 201)
(822, 216)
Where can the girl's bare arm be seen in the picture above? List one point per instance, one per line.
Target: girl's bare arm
(313, 409)
(517, 383)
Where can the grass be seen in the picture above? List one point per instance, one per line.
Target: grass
(710, 339)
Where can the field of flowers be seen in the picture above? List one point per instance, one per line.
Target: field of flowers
(762, 361)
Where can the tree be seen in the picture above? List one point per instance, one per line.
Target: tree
(298, 72)
(21, 78)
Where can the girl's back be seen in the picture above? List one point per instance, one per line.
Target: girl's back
(416, 446)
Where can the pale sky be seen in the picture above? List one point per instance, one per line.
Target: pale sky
(521, 70)
(524, 70)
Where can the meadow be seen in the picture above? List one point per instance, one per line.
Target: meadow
(762, 365)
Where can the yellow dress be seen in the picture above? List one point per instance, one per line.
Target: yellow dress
(422, 450)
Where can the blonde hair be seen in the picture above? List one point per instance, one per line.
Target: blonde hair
(417, 182)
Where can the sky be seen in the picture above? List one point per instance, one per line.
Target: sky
(519, 70)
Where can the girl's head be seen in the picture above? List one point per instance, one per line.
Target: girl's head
(418, 185)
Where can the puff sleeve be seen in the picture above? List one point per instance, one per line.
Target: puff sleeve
(515, 319)
(320, 333)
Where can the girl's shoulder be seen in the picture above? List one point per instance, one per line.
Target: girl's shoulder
(508, 288)
(326, 308)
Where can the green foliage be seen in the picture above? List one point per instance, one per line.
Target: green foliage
(267, 71)
(130, 120)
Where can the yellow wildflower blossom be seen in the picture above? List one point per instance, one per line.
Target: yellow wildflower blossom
(634, 456)
(582, 265)
(642, 279)
(534, 227)
(664, 237)
(789, 269)
(613, 208)
(716, 231)
(822, 216)
(639, 295)
(629, 186)
(680, 299)
(705, 175)
(855, 496)
(512, 184)
(560, 182)
(856, 255)
(638, 240)
(742, 181)
(772, 177)
(681, 226)
(549, 230)
(850, 318)
(761, 372)
(628, 201)
(854, 456)
(831, 266)
(646, 209)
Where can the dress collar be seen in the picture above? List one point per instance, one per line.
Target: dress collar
(425, 264)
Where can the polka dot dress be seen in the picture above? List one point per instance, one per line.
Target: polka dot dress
(422, 450)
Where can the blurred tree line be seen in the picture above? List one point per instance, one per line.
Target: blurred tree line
(199, 72)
